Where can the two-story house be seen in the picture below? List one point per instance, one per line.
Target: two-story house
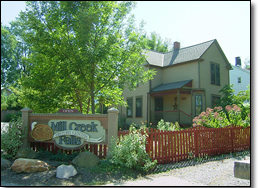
(187, 81)
(239, 77)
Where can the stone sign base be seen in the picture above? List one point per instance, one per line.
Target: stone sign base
(242, 169)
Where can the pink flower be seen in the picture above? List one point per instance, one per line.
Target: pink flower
(236, 108)
(216, 115)
(209, 110)
(228, 108)
(218, 108)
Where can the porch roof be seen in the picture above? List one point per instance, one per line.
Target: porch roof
(172, 85)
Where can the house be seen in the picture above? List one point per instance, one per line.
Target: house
(239, 77)
(6, 91)
(187, 81)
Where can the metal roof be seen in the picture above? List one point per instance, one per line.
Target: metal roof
(170, 86)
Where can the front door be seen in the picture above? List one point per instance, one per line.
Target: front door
(158, 108)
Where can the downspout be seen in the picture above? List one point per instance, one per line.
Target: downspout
(199, 73)
(147, 109)
(179, 107)
(149, 101)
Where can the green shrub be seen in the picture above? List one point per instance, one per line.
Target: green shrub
(168, 126)
(242, 100)
(63, 156)
(44, 154)
(14, 117)
(130, 151)
(11, 140)
(107, 167)
(217, 118)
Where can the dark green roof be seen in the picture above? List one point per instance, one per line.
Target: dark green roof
(170, 86)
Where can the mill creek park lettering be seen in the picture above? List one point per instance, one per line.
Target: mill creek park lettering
(73, 133)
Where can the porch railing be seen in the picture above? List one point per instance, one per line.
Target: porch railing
(185, 119)
(171, 116)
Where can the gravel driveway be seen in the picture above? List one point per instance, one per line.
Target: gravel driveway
(214, 173)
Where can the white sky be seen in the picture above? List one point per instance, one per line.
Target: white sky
(189, 22)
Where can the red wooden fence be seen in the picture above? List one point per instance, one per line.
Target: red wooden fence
(174, 146)
(98, 149)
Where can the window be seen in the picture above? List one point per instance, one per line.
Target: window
(214, 100)
(238, 79)
(215, 74)
(138, 107)
(198, 104)
(129, 109)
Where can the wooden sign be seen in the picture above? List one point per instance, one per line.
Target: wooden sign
(42, 132)
(68, 111)
(74, 133)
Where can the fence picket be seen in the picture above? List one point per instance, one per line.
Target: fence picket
(174, 146)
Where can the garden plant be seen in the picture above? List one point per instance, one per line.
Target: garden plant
(217, 118)
(11, 139)
(130, 150)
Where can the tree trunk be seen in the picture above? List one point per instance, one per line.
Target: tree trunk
(92, 95)
(88, 105)
(92, 103)
(79, 100)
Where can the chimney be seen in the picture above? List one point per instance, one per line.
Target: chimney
(176, 45)
(238, 62)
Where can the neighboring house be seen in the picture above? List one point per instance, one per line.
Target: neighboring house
(6, 91)
(187, 81)
(239, 77)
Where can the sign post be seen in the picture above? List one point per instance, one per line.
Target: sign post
(112, 127)
(25, 119)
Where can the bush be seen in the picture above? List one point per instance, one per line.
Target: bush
(63, 156)
(13, 117)
(56, 157)
(217, 118)
(242, 100)
(130, 151)
(44, 154)
(168, 126)
(11, 140)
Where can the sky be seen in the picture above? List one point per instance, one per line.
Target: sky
(188, 22)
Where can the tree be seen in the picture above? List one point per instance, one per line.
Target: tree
(8, 64)
(155, 43)
(247, 63)
(81, 51)
(242, 100)
(13, 53)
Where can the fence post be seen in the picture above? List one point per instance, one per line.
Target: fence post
(232, 139)
(112, 127)
(25, 119)
(196, 140)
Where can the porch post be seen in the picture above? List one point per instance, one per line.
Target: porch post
(179, 107)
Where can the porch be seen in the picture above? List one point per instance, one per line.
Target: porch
(175, 102)
(172, 116)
